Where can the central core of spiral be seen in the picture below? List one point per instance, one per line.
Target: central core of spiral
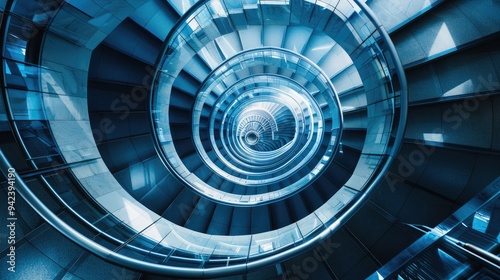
(266, 121)
(252, 138)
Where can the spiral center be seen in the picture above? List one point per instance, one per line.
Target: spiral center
(251, 138)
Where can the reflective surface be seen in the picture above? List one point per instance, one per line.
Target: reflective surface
(238, 80)
(464, 245)
(263, 127)
(262, 115)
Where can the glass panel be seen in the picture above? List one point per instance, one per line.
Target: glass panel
(39, 143)
(21, 39)
(70, 23)
(26, 105)
(39, 11)
(21, 75)
(61, 182)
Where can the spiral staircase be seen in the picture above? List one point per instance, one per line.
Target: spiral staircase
(251, 139)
